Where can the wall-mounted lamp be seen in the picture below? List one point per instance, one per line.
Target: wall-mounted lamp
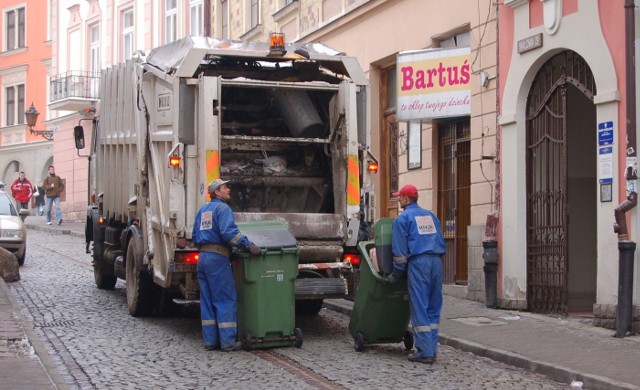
(485, 78)
(31, 116)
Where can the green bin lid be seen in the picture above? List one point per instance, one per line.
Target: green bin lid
(268, 234)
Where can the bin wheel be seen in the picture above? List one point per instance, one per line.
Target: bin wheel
(247, 341)
(297, 333)
(358, 342)
(408, 340)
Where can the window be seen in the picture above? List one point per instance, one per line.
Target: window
(225, 19)
(127, 34)
(94, 53)
(170, 20)
(15, 30)
(255, 13)
(14, 101)
(458, 40)
(196, 17)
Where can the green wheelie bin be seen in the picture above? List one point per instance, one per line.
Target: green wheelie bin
(265, 287)
(380, 310)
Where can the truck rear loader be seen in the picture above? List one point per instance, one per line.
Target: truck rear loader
(287, 125)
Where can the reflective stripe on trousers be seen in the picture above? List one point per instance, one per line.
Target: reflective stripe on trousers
(424, 281)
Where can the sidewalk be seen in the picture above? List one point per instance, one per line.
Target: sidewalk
(565, 349)
(25, 362)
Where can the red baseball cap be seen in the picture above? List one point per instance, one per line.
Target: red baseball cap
(407, 190)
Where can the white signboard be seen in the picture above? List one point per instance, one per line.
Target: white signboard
(433, 83)
(605, 156)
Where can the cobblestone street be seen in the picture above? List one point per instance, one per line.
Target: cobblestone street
(96, 344)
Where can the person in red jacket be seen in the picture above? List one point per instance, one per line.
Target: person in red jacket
(22, 190)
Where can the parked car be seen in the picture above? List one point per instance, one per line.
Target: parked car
(13, 234)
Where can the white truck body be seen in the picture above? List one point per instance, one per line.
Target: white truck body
(291, 132)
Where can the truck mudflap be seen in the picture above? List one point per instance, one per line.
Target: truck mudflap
(318, 287)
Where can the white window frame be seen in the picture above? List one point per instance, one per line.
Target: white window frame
(18, 114)
(254, 13)
(170, 20)
(20, 30)
(224, 10)
(127, 34)
(94, 59)
(195, 17)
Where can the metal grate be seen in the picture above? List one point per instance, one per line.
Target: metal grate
(454, 204)
(547, 188)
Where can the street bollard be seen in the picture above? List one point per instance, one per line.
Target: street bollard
(624, 315)
(490, 256)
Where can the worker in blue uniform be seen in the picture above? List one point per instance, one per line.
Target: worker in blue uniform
(417, 246)
(215, 232)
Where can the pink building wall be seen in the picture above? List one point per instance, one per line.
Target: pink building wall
(37, 52)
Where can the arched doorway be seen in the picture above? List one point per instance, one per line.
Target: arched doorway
(561, 187)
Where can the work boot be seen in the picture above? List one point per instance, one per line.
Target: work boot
(211, 347)
(234, 347)
(421, 359)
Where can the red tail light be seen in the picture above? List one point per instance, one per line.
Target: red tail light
(192, 258)
(352, 258)
(187, 257)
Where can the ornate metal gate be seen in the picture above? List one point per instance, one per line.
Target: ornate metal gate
(547, 200)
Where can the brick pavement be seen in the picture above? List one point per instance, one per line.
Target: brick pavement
(564, 349)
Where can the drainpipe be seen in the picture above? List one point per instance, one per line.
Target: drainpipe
(627, 247)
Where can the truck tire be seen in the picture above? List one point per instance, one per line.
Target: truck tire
(140, 287)
(308, 307)
(104, 277)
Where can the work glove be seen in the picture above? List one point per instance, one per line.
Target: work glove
(254, 249)
(393, 277)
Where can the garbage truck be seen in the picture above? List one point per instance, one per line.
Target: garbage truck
(286, 123)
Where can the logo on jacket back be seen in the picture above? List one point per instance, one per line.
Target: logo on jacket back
(206, 220)
(425, 225)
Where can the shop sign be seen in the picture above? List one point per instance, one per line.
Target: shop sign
(434, 83)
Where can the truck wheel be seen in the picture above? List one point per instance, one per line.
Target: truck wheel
(308, 307)
(139, 282)
(105, 280)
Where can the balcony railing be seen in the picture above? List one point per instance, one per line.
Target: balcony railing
(75, 84)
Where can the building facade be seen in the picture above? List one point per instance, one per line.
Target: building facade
(567, 137)
(25, 64)
(88, 36)
(448, 155)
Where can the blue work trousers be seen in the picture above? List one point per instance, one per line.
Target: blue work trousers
(424, 280)
(218, 298)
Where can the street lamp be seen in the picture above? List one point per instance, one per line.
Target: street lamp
(32, 117)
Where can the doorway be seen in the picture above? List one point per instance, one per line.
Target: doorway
(561, 155)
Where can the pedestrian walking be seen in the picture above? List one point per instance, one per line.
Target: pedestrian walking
(215, 232)
(22, 190)
(417, 246)
(53, 187)
(39, 195)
